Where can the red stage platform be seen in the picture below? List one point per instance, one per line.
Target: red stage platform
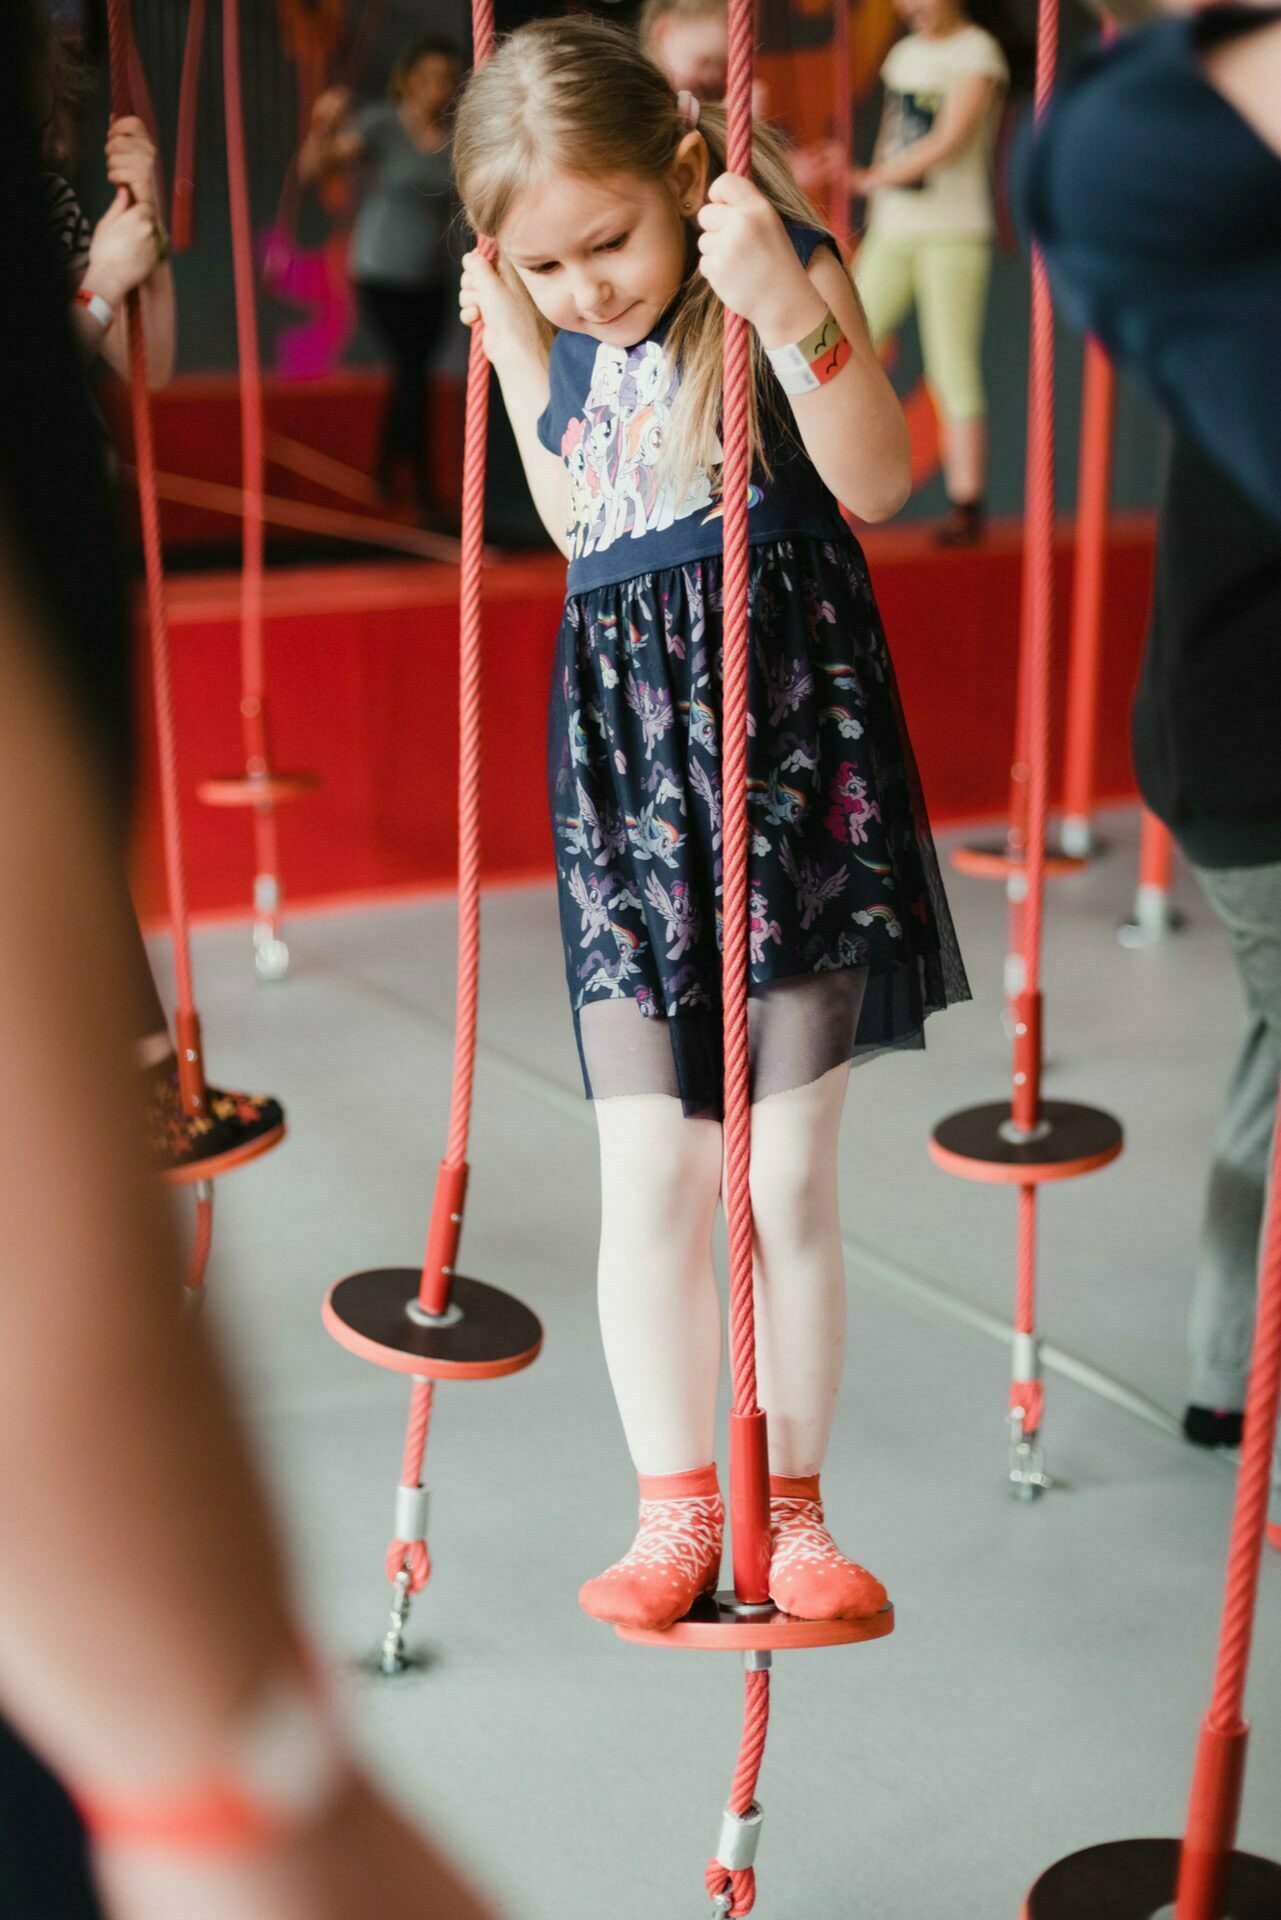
(363, 678)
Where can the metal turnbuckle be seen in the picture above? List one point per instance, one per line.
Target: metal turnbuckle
(1028, 1478)
(271, 954)
(393, 1660)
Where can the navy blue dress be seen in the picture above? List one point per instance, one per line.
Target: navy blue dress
(852, 944)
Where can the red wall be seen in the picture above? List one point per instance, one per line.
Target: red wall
(363, 687)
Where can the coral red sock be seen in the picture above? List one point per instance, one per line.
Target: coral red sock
(675, 1557)
(810, 1577)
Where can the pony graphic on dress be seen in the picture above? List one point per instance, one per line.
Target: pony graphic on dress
(614, 448)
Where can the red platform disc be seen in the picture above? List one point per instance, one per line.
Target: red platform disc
(1136, 1880)
(990, 860)
(243, 790)
(219, 1163)
(1076, 1140)
(487, 1333)
(716, 1625)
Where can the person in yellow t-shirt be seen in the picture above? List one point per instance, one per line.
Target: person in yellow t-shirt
(930, 227)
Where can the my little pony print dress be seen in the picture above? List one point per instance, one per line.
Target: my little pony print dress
(852, 944)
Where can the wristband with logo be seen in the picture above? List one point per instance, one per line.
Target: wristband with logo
(813, 361)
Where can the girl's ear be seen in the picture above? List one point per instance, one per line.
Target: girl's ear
(688, 174)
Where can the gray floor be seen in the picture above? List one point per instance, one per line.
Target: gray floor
(1050, 1663)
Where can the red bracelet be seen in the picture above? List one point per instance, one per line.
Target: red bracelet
(101, 310)
(283, 1768)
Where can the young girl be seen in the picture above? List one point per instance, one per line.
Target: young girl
(929, 231)
(621, 238)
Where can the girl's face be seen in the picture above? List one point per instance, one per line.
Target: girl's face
(930, 16)
(606, 257)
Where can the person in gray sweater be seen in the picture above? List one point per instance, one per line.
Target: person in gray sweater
(399, 258)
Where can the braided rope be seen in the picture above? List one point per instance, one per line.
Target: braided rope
(1249, 1517)
(735, 655)
(184, 164)
(119, 29)
(253, 457)
(412, 1554)
(202, 1245)
(741, 1886)
(1038, 604)
(1093, 513)
(469, 697)
(842, 122)
(1025, 1283)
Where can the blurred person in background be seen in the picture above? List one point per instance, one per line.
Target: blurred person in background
(1154, 189)
(126, 252)
(689, 41)
(399, 260)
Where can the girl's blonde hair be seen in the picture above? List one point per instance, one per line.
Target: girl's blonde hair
(577, 95)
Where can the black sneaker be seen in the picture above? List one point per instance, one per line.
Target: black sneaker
(179, 1140)
(964, 526)
(1213, 1427)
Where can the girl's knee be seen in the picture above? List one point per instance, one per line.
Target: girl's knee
(655, 1164)
(794, 1197)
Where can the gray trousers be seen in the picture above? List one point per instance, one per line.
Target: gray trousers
(1248, 902)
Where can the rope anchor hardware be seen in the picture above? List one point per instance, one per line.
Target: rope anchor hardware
(1028, 1478)
(393, 1659)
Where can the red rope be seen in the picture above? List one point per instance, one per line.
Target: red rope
(119, 28)
(469, 698)
(184, 164)
(202, 1245)
(413, 1554)
(842, 121)
(1093, 511)
(734, 493)
(735, 476)
(1249, 1517)
(741, 1886)
(253, 464)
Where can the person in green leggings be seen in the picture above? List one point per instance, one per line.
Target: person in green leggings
(928, 242)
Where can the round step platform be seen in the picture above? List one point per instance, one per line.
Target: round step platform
(990, 860)
(716, 1624)
(220, 1163)
(485, 1333)
(976, 1143)
(1136, 1880)
(244, 790)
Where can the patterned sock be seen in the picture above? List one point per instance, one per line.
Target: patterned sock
(675, 1557)
(810, 1577)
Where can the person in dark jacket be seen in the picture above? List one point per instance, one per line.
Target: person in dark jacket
(1154, 189)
